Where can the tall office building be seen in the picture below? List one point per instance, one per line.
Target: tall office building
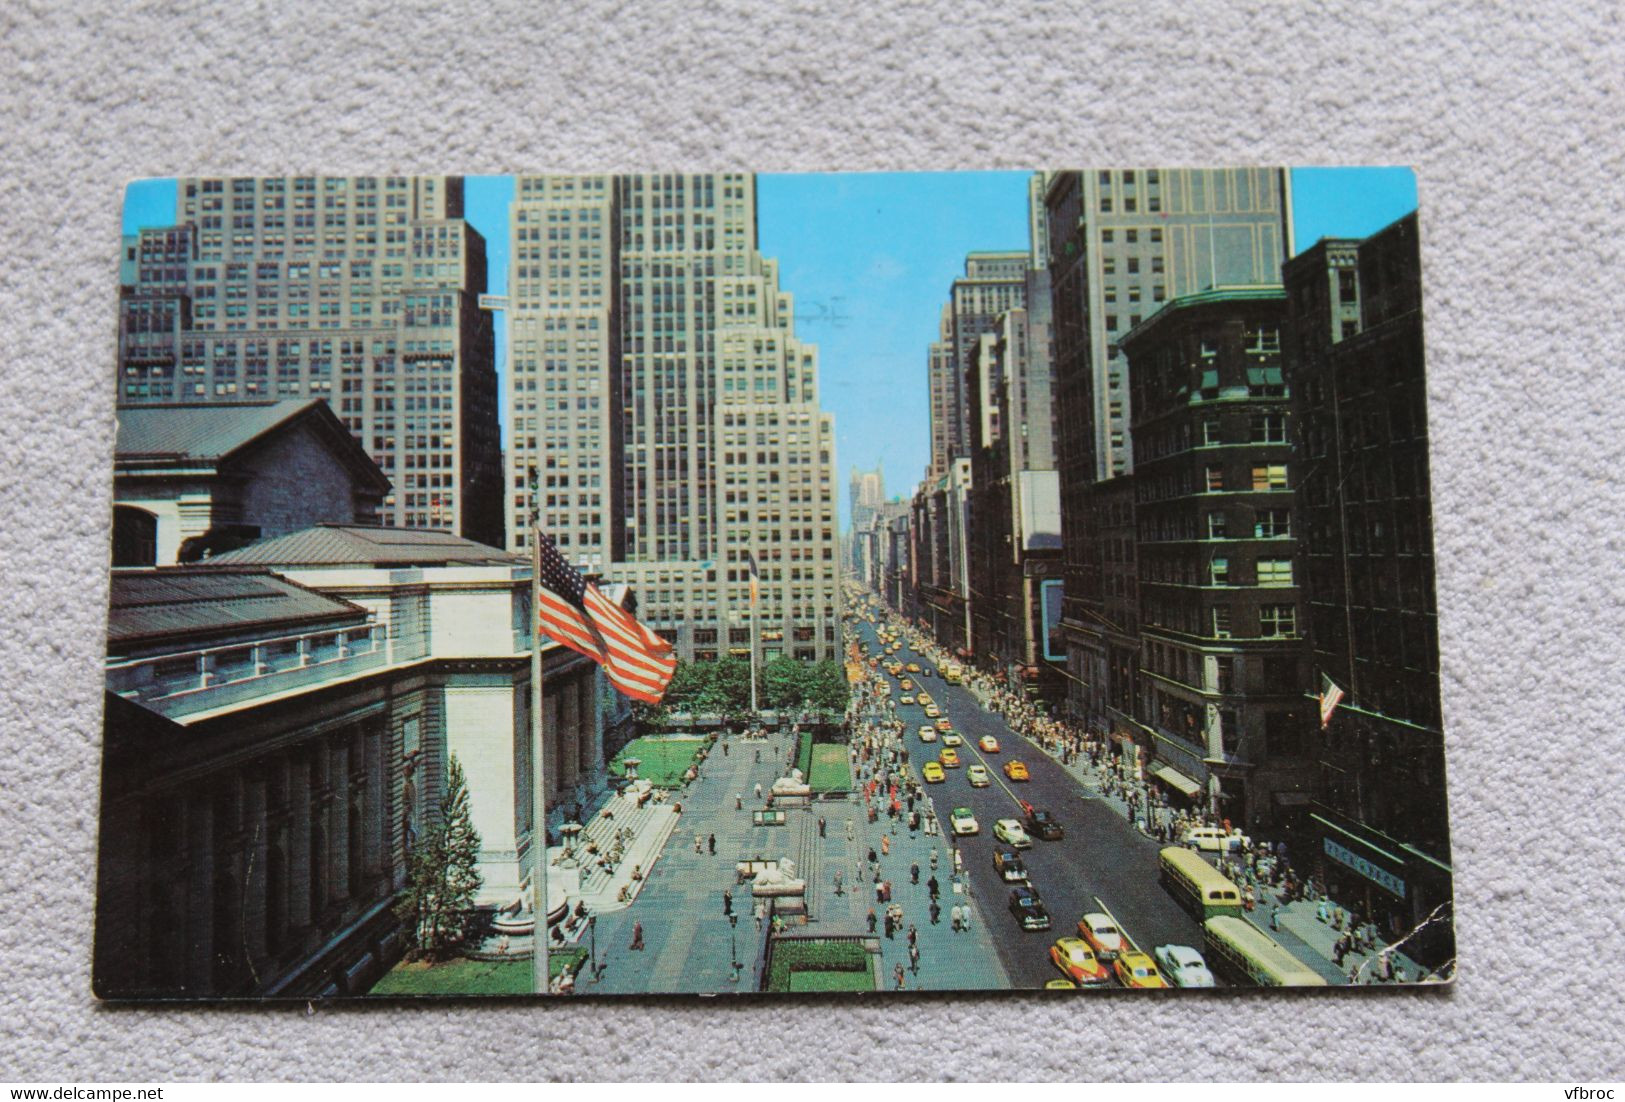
(993, 283)
(664, 412)
(868, 494)
(362, 291)
(1121, 243)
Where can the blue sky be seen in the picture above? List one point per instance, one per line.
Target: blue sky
(869, 258)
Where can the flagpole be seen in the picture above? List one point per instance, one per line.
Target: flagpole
(755, 715)
(540, 979)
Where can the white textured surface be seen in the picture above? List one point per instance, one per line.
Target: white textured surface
(1511, 116)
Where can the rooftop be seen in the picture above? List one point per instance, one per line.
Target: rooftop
(153, 605)
(361, 545)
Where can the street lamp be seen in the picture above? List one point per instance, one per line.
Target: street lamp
(733, 947)
(592, 952)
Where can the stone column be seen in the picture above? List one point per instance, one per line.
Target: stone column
(298, 842)
(257, 841)
(569, 733)
(338, 849)
(199, 893)
(374, 800)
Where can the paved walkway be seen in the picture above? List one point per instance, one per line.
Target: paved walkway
(689, 944)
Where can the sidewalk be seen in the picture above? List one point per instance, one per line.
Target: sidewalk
(1300, 930)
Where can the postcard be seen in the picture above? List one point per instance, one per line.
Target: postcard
(590, 585)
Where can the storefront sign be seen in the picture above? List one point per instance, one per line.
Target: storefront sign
(1377, 875)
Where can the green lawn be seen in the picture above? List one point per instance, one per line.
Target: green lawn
(832, 981)
(664, 760)
(471, 977)
(831, 768)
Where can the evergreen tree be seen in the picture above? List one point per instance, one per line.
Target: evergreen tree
(443, 873)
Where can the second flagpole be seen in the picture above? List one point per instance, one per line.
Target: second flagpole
(541, 981)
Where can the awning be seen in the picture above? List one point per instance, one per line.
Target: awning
(1169, 775)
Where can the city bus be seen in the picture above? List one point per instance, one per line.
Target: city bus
(950, 674)
(1249, 955)
(1198, 885)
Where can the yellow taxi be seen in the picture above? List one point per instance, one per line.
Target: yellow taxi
(913, 667)
(932, 772)
(949, 757)
(1077, 961)
(932, 711)
(1016, 771)
(989, 744)
(908, 685)
(1136, 970)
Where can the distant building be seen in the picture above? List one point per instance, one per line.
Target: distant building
(360, 291)
(194, 480)
(279, 723)
(993, 283)
(868, 494)
(1364, 526)
(1222, 713)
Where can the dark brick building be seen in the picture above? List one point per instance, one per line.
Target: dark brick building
(1364, 519)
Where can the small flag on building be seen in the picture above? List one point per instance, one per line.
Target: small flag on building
(573, 611)
(755, 581)
(1330, 695)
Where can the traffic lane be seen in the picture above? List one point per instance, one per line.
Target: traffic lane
(1103, 863)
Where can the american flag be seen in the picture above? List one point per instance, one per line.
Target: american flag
(637, 661)
(755, 580)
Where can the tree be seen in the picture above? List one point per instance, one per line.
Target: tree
(730, 687)
(442, 872)
(827, 688)
(784, 682)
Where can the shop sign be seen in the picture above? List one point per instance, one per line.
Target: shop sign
(1374, 873)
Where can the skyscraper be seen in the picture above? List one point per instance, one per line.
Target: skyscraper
(363, 291)
(663, 410)
(868, 494)
(993, 283)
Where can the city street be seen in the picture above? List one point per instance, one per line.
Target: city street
(1102, 863)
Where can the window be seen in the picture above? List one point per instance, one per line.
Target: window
(1274, 572)
(1219, 572)
(1217, 526)
(1215, 477)
(1272, 524)
(1277, 621)
(1270, 477)
(1269, 428)
(1225, 668)
(1210, 432)
(1221, 621)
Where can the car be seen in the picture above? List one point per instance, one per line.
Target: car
(913, 667)
(928, 734)
(1215, 840)
(944, 723)
(1183, 966)
(1016, 771)
(1136, 970)
(1029, 909)
(932, 711)
(963, 821)
(977, 776)
(1009, 831)
(989, 744)
(924, 697)
(1102, 935)
(1041, 824)
(932, 772)
(1009, 866)
(1078, 962)
(949, 758)
(1060, 985)
(907, 699)
(928, 672)
(906, 685)
(951, 738)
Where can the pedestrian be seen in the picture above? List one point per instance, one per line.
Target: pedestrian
(761, 913)
(727, 902)
(758, 790)
(1275, 918)
(724, 747)
(936, 912)
(914, 873)
(699, 843)
(711, 844)
(914, 958)
(739, 801)
(821, 826)
(964, 918)
(897, 974)
(758, 755)
(933, 887)
(913, 935)
(850, 834)
(872, 857)
(838, 882)
(637, 935)
(885, 845)
(871, 920)
(957, 917)
(933, 860)
(890, 925)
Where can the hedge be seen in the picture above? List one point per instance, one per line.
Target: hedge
(790, 957)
